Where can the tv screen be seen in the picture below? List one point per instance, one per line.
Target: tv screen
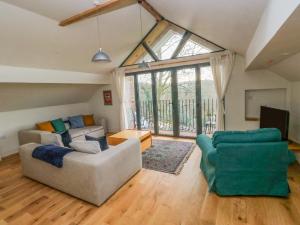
(275, 118)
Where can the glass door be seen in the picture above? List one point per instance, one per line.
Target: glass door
(187, 102)
(164, 102)
(177, 101)
(146, 118)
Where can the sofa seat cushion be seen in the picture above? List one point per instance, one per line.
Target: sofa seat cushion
(78, 132)
(259, 135)
(94, 128)
(84, 131)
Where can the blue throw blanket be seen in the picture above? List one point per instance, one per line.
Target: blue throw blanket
(52, 154)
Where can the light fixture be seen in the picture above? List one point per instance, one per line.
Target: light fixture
(100, 56)
(143, 64)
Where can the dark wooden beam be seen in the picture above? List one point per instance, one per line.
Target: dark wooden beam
(185, 38)
(150, 51)
(99, 9)
(151, 10)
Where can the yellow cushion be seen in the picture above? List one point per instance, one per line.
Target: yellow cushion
(45, 126)
(88, 120)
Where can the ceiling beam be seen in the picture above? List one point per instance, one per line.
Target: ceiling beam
(150, 51)
(106, 7)
(151, 10)
(181, 44)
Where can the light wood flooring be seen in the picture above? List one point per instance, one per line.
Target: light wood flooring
(149, 198)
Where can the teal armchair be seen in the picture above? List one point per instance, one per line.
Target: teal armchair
(245, 163)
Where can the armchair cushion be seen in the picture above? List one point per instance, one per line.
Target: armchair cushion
(260, 135)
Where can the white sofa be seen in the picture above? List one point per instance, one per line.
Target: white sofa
(36, 136)
(90, 177)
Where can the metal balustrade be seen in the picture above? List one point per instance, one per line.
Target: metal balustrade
(187, 115)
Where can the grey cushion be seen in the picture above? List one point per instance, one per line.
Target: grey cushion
(91, 147)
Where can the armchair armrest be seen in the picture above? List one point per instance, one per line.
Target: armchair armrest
(101, 122)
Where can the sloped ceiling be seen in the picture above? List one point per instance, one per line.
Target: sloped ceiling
(33, 38)
(288, 68)
(27, 96)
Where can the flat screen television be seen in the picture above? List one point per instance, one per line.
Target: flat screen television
(275, 118)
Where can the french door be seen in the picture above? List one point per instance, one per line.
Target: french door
(168, 101)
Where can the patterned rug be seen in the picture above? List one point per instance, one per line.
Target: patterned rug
(167, 156)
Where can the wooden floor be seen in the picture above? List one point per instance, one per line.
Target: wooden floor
(149, 198)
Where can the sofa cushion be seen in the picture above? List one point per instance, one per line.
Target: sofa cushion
(89, 120)
(84, 131)
(78, 132)
(101, 140)
(45, 126)
(94, 128)
(91, 147)
(58, 125)
(76, 122)
(260, 135)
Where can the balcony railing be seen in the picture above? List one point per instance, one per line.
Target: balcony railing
(187, 116)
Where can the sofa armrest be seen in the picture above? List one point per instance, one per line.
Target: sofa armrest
(268, 156)
(39, 137)
(114, 168)
(101, 122)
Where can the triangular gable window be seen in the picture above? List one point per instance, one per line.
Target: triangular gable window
(169, 41)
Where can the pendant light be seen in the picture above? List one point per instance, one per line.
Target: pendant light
(144, 64)
(100, 56)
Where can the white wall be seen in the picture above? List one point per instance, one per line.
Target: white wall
(14, 121)
(111, 113)
(235, 97)
(295, 112)
(295, 115)
(11, 74)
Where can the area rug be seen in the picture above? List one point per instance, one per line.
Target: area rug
(167, 156)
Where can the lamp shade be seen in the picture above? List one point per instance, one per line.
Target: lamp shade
(144, 65)
(101, 56)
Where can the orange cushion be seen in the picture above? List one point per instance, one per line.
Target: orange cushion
(45, 126)
(89, 120)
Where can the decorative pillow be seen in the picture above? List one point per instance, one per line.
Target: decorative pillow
(76, 122)
(102, 141)
(45, 126)
(51, 139)
(59, 125)
(89, 120)
(91, 147)
(66, 138)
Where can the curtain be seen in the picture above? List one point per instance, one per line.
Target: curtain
(119, 81)
(221, 66)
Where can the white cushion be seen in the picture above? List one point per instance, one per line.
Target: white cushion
(91, 147)
(78, 132)
(51, 138)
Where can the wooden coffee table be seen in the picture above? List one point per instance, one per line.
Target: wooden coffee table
(144, 136)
